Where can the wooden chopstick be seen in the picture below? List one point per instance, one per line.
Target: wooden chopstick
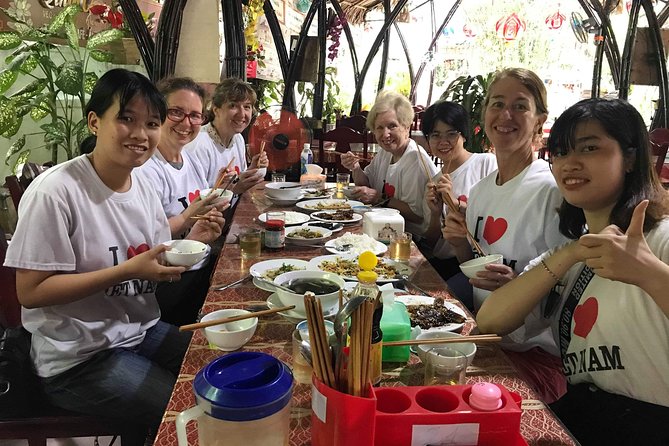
(476, 338)
(262, 146)
(220, 178)
(234, 318)
(199, 217)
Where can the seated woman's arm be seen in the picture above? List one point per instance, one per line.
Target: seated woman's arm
(350, 161)
(43, 288)
(405, 210)
(505, 309)
(180, 223)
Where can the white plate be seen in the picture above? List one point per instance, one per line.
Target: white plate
(312, 205)
(331, 246)
(259, 269)
(292, 315)
(324, 235)
(315, 225)
(278, 202)
(292, 218)
(400, 267)
(354, 218)
(408, 299)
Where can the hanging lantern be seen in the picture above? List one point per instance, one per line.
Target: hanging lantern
(510, 27)
(469, 31)
(555, 21)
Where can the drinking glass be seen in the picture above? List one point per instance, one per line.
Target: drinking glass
(249, 243)
(278, 178)
(302, 370)
(343, 180)
(445, 366)
(400, 246)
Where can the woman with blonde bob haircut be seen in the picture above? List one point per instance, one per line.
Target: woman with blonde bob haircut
(396, 175)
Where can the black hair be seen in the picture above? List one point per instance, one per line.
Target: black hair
(124, 85)
(622, 122)
(448, 112)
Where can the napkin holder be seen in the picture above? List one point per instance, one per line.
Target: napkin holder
(314, 178)
(402, 416)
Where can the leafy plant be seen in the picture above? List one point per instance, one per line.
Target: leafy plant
(470, 92)
(331, 102)
(55, 89)
(269, 93)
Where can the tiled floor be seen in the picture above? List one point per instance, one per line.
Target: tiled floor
(104, 441)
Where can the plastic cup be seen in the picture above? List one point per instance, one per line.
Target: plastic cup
(445, 366)
(249, 243)
(400, 246)
(343, 180)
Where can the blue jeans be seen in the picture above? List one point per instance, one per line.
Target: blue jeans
(131, 384)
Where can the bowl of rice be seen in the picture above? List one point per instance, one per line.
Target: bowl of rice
(355, 244)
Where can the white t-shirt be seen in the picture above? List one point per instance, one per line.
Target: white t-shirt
(519, 220)
(619, 336)
(213, 155)
(70, 221)
(404, 180)
(477, 166)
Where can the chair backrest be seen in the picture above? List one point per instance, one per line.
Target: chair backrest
(343, 137)
(357, 123)
(18, 185)
(659, 143)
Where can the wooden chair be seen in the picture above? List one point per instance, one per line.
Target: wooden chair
(356, 122)
(343, 137)
(17, 185)
(659, 143)
(48, 421)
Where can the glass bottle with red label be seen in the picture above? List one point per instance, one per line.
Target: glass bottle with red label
(275, 230)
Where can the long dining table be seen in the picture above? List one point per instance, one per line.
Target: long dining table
(273, 336)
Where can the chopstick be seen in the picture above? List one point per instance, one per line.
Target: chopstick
(199, 217)
(222, 176)
(262, 146)
(451, 205)
(234, 318)
(476, 338)
(320, 348)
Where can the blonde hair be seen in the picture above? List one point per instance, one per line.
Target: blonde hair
(389, 100)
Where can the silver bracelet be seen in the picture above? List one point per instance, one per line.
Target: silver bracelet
(548, 270)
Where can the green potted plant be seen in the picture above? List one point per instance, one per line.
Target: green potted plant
(59, 69)
(470, 92)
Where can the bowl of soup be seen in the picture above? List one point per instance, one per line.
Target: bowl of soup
(324, 285)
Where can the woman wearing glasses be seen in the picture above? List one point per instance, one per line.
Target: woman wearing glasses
(220, 144)
(444, 124)
(178, 178)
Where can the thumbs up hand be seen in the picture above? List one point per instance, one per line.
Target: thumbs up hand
(615, 255)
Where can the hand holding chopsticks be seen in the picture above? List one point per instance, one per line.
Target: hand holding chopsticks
(223, 175)
(234, 318)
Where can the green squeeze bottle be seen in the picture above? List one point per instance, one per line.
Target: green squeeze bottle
(396, 326)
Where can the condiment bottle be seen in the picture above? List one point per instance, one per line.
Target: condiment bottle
(275, 230)
(367, 287)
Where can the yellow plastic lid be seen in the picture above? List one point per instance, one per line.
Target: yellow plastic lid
(367, 276)
(367, 261)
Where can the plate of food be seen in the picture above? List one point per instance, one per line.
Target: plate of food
(333, 227)
(311, 193)
(292, 218)
(342, 216)
(328, 204)
(355, 244)
(347, 267)
(433, 314)
(306, 235)
(270, 269)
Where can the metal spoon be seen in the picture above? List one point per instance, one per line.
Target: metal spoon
(404, 278)
(305, 351)
(275, 285)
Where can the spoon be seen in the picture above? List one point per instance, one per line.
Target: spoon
(275, 285)
(290, 187)
(305, 351)
(404, 278)
(340, 332)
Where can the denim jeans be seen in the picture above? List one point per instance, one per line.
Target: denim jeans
(132, 384)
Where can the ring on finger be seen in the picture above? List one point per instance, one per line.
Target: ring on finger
(170, 279)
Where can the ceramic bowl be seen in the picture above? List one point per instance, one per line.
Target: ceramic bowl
(274, 191)
(222, 195)
(328, 301)
(185, 252)
(473, 266)
(466, 348)
(233, 335)
(292, 235)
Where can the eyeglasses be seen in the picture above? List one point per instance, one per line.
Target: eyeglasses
(176, 115)
(450, 136)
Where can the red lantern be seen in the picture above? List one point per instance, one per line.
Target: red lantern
(510, 27)
(555, 21)
(469, 31)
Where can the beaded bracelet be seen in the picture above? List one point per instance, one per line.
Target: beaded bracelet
(548, 270)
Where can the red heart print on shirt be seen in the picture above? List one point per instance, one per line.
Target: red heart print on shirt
(389, 190)
(585, 316)
(132, 251)
(462, 198)
(494, 229)
(192, 196)
(237, 170)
